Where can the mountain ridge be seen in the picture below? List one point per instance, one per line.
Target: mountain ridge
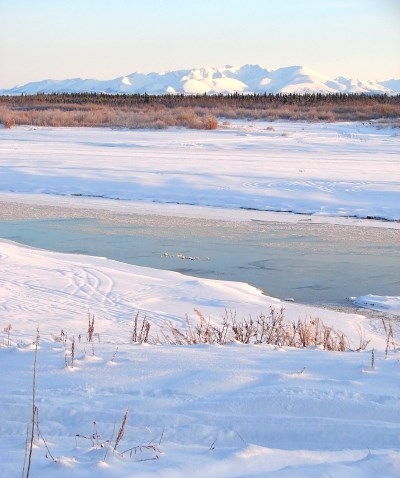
(245, 79)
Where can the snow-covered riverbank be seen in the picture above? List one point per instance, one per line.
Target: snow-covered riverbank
(346, 169)
(208, 410)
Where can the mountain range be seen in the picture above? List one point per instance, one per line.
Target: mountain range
(229, 79)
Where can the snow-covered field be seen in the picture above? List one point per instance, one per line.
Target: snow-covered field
(224, 411)
(325, 169)
(203, 410)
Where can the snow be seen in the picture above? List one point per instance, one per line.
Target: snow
(195, 87)
(388, 304)
(116, 291)
(201, 410)
(342, 170)
(392, 84)
(229, 79)
(234, 410)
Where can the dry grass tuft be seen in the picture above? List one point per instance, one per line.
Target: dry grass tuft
(9, 122)
(90, 330)
(191, 111)
(140, 333)
(271, 329)
(104, 115)
(8, 330)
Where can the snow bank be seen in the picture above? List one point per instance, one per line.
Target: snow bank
(377, 302)
(321, 169)
(205, 410)
(48, 287)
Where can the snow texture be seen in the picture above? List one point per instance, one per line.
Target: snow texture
(346, 169)
(375, 302)
(226, 411)
(203, 410)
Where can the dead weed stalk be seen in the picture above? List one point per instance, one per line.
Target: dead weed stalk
(140, 332)
(271, 329)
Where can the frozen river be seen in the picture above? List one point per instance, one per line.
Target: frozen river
(343, 171)
(311, 263)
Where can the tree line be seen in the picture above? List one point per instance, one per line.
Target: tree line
(235, 100)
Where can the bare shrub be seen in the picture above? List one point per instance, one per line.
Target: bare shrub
(271, 328)
(191, 111)
(187, 336)
(210, 122)
(9, 122)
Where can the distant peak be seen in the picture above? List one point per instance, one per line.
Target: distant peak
(247, 78)
(125, 81)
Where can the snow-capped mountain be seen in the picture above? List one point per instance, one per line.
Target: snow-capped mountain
(229, 79)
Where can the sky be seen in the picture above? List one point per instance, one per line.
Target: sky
(104, 39)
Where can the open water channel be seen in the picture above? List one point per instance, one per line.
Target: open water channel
(309, 263)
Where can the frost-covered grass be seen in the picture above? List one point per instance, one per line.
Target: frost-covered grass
(122, 117)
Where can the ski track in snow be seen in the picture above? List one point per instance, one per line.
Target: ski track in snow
(266, 410)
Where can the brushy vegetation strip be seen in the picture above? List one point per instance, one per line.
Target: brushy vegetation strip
(190, 111)
(271, 328)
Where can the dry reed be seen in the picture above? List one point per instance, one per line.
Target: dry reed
(121, 429)
(188, 111)
(271, 329)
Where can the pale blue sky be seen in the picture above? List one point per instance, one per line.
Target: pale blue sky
(103, 39)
